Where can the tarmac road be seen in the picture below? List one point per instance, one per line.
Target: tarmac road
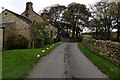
(66, 61)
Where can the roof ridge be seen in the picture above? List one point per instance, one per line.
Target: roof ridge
(27, 20)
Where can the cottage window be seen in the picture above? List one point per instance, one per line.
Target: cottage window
(21, 28)
(27, 8)
(26, 15)
(5, 13)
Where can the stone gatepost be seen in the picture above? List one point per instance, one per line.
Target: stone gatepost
(1, 39)
(1, 43)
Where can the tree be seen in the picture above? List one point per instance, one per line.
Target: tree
(103, 13)
(117, 18)
(36, 31)
(53, 15)
(76, 16)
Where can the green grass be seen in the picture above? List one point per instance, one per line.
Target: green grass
(18, 63)
(87, 36)
(103, 64)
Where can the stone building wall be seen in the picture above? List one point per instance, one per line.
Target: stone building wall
(1, 39)
(107, 49)
(1, 43)
(53, 29)
(32, 15)
(19, 27)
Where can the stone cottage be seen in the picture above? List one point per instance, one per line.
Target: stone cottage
(31, 14)
(18, 25)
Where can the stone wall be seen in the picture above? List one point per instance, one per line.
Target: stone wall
(19, 27)
(32, 15)
(1, 43)
(53, 29)
(1, 39)
(107, 49)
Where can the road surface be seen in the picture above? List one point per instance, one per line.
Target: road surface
(66, 61)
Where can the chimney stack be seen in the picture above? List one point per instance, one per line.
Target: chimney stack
(29, 6)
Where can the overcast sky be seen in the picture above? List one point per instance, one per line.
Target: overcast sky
(18, 6)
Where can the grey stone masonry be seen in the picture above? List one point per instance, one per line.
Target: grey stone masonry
(1, 38)
(32, 15)
(21, 25)
(106, 48)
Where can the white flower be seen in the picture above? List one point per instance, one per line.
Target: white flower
(47, 48)
(59, 42)
(43, 50)
(38, 55)
(53, 45)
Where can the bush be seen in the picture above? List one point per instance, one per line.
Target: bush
(59, 38)
(80, 38)
(55, 39)
(39, 42)
(47, 38)
(114, 39)
(50, 41)
(16, 42)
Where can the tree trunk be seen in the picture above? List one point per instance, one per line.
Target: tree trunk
(51, 34)
(73, 33)
(118, 25)
(108, 33)
(76, 34)
(96, 34)
(33, 44)
(118, 32)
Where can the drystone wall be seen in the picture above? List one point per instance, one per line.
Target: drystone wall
(106, 48)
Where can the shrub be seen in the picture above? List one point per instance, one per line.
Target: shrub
(39, 42)
(59, 38)
(16, 42)
(114, 39)
(47, 38)
(55, 39)
(50, 41)
(80, 39)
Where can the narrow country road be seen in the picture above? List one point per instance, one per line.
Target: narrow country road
(66, 61)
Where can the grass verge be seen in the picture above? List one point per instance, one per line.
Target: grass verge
(18, 63)
(105, 65)
(87, 36)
